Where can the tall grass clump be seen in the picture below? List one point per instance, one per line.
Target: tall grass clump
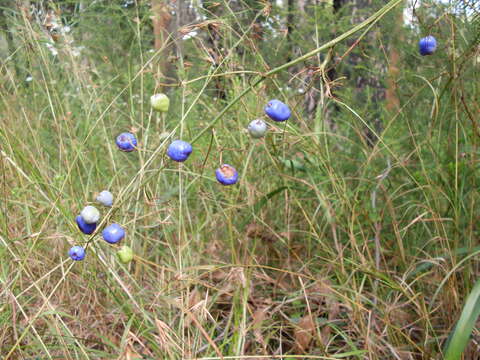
(351, 233)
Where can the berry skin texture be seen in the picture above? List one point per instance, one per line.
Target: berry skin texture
(84, 227)
(277, 110)
(226, 175)
(125, 254)
(427, 45)
(179, 150)
(126, 142)
(90, 214)
(257, 128)
(105, 198)
(113, 233)
(76, 253)
(160, 102)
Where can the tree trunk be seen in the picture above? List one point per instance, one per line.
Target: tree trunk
(337, 5)
(161, 21)
(290, 29)
(8, 35)
(367, 82)
(214, 11)
(393, 103)
(185, 13)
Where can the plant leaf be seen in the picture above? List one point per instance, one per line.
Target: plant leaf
(461, 333)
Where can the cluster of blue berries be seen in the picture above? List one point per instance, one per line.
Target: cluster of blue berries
(275, 110)
(179, 151)
(87, 223)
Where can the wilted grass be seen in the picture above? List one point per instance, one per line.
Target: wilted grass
(327, 248)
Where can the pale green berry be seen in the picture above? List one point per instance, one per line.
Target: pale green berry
(160, 102)
(125, 254)
(105, 198)
(257, 128)
(90, 214)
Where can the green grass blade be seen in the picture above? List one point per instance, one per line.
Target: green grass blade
(462, 331)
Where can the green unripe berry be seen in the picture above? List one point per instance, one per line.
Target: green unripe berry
(125, 254)
(160, 102)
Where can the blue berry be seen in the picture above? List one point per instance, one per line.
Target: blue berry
(126, 142)
(179, 150)
(257, 128)
(427, 45)
(113, 233)
(105, 198)
(84, 227)
(226, 175)
(76, 253)
(277, 110)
